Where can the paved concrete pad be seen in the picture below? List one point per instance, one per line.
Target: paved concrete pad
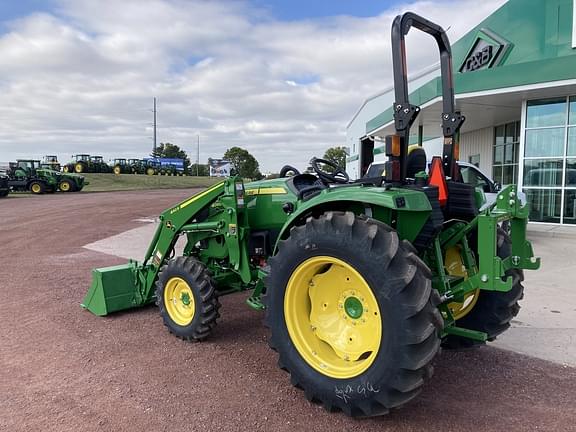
(131, 244)
(546, 325)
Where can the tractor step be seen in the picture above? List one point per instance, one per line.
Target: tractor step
(466, 333)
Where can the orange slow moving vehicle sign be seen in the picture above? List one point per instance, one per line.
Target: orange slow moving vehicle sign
(437, 178)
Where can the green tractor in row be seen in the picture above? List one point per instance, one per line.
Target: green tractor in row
(136, 166)
(84, 163)
(67, 182)
(361, 282)
(151, 167)
(120, 166)
(26, 175)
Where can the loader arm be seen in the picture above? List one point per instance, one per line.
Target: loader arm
(132, 285)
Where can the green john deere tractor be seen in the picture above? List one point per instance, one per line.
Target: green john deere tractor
(151, 166)
(135, 166)
(120, 166)
(26, 175)
(84, 163)
(67, 181)
(361, 282)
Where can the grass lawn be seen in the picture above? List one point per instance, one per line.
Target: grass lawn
(112, 182)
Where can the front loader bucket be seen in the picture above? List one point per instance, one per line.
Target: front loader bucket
(113, 289)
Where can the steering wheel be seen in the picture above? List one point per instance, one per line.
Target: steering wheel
(286, 169)
(336, 176)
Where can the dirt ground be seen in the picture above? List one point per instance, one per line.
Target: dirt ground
(63, 369)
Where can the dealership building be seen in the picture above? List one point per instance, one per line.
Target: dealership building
(515, 81)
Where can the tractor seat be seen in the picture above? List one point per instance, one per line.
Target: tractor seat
(305, 185)
(416, 160)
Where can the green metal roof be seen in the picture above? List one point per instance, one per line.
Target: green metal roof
(540, 33)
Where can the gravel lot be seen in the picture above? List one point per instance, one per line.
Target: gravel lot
(63, 369)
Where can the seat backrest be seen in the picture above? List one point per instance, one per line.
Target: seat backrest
(416, 160)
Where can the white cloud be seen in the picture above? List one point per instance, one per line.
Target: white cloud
(81, 80)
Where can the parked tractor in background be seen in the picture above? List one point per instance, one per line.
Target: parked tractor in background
(136, 166)
(121, 167)
(27, 175)
(52, 161)
(79, 164)
(4, 185)
(361, 281)
(151, 167)
(84, 163)
(97, 165)
(67, 182)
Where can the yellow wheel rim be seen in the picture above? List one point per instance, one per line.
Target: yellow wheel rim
(78, 168)
(64, 186)
(150, 171)
(36, 188)
(179, 301)
(332, 317)
(455, 267)
(65, 169)
(117, 170)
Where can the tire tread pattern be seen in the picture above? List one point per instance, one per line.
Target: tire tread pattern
(409, 287)
(206, 299)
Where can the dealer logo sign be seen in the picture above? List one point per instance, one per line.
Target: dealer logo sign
(488, 50)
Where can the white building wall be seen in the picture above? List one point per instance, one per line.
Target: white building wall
(375, 105)
(478, 142)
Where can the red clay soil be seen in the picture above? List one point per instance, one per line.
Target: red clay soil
(63, 369)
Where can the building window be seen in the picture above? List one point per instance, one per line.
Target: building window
(549, 178)
(474, 160)
(505, 156)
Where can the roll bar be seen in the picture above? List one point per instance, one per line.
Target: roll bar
(404, 112)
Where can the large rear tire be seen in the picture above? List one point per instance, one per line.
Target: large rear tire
(493, 311)
(186, 297)
(352, 313)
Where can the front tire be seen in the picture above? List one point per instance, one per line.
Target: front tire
(66, 186)
(37, 187)
(352, 314)
(186, 297)
(79, 168)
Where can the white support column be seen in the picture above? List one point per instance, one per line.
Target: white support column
(573, 24)
(521, 147)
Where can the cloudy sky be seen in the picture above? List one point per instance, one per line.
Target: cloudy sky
(280, 78)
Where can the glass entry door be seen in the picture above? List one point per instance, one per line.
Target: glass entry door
(549, 174)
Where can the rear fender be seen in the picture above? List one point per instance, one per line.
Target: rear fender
(403, 209)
